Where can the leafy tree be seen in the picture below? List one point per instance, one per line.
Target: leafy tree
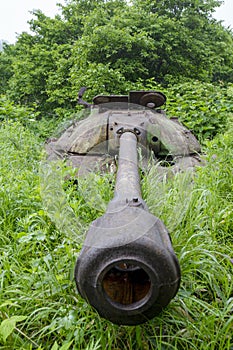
(6, 70)
(178, 7)
(143, 44)
(111, 45)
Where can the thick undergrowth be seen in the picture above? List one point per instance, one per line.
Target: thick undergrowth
(39, 305)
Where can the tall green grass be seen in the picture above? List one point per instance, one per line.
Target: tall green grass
(39, 305)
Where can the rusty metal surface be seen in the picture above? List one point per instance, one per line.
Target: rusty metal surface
(151, 99)
(99, 135)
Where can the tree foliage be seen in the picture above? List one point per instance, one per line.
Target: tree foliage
(111, 45)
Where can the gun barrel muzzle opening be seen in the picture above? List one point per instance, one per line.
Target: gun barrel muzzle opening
(126, 284)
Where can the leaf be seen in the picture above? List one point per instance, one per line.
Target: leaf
(7, 326)
(7, 303)
(55, 346)
(66, 346)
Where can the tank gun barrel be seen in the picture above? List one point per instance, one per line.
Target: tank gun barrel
(127, 181)
(127, 268)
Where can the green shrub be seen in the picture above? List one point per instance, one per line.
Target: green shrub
(204, 108)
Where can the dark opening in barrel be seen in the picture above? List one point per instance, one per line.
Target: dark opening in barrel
(126, 283)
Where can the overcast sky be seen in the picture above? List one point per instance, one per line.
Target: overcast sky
(14, 15)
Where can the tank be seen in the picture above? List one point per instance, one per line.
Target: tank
(93, 143)
(127, 268)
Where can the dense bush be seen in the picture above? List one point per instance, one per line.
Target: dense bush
(204, 108)
(43, 127)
